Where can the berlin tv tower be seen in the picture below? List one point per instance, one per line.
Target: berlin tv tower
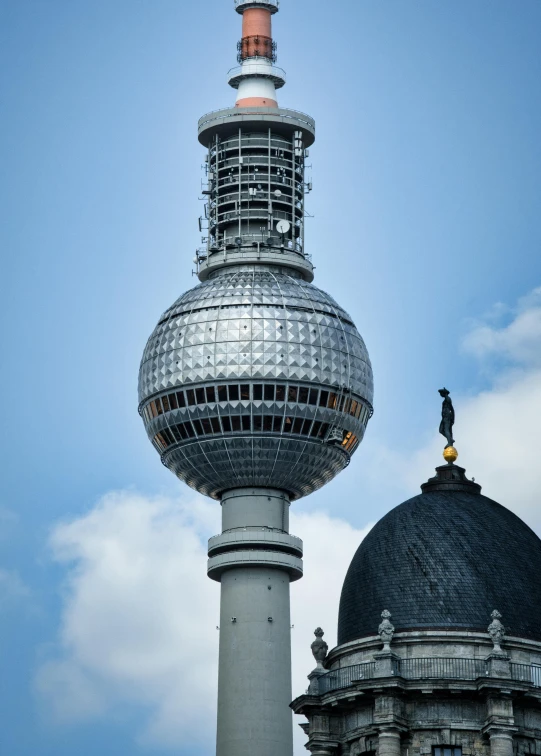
(255, 386)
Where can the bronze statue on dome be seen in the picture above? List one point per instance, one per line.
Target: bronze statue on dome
(447, 417)
(446, 426)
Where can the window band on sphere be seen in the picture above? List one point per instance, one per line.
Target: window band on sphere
(197, 428)
(329, 397)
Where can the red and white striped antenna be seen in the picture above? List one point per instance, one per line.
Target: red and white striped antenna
(257, 77)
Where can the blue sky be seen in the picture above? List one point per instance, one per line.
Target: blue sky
(427, 229)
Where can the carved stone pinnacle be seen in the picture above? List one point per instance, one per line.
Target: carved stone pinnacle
(496, 631)
(386, 630)
(319, 647)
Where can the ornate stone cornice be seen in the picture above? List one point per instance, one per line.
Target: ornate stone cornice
(417, 637)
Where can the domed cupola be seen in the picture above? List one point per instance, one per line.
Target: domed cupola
(443, 560)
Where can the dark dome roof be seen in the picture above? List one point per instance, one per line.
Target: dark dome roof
(445, 560)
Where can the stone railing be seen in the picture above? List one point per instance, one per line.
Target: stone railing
(424, 669)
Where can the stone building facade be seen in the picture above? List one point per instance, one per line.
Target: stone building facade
(429, 680)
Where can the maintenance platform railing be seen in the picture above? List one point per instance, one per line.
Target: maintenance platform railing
(272, 5)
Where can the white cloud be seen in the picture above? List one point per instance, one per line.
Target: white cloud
(518, 342)
(140, 615)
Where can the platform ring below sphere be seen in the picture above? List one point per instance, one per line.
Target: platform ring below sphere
(255, 327)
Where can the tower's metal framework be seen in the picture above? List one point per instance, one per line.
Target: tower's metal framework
(255, 386)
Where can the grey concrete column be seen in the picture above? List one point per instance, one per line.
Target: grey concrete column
(389, 741)
(501, 742)
(255, 507)
(255, 559)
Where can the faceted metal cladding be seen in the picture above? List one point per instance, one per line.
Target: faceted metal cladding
(266, 325)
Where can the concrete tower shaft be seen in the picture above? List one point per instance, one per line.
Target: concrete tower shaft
(255, 559)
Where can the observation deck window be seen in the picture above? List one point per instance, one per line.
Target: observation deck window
(297, 425)
(244, 423)
(446, 751)
(270, 392)
(316, 428)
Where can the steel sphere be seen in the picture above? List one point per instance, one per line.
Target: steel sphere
(255, 378)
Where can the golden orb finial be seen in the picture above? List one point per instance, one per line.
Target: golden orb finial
(450, 454)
